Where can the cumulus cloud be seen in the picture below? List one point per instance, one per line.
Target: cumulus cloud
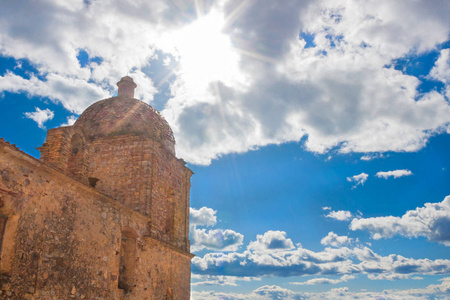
(202, 217)
(271, 240)
(441, 69)
(213, 239)
(340, 215)
(431, 221)
(358, 179)
(261, 260)
(274, 292)
(40, 116)
(394, 174)
(249, 81)
(335, 240)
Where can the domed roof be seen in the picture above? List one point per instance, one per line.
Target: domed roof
(125, 116)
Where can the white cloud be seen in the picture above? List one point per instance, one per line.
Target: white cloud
(379, 24)
(370, 156)
(390, 277)
(352, 109)
(273, 292)
(441, 69)
(271, 240)
(74, 94)
(220, 280)
(315, 281)
(202, 217)
(431, 221)
(213, 239)
(335, 240)
(50, 36)
(326, 208)
(263, 86)
(40, 116)
(395, 174)
(261, 260)
(70, 121)
(358, 179)
(340, 215)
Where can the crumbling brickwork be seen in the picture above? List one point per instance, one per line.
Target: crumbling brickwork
(104, 214)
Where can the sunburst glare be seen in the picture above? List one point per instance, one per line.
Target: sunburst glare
(205, 54)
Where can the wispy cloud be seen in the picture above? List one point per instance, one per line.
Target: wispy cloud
(358, 179)
(40, 116)
(369, 157)
(394, 174)
(323, 280)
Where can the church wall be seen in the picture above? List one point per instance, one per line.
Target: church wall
(55, 150)
(64, 239)
(144, 176)
(66, 150)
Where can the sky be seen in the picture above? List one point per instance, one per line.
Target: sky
(318, 131)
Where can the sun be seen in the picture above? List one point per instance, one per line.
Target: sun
(205, 53)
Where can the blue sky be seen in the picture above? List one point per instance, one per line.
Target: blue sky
(318, 131)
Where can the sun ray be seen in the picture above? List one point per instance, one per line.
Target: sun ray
(199, 8)
(256, 55)
(220, 103)
(131, 111)
(165, 78)
(236, 12)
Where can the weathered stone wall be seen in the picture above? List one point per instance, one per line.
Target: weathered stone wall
(141, 174)
(65, 149)
(136, 171)
(64, 239)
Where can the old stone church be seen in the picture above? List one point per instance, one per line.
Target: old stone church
(104, 213)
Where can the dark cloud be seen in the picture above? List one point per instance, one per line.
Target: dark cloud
(407, 269)
(265, 27)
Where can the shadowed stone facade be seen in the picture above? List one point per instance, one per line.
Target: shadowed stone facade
(104, 214)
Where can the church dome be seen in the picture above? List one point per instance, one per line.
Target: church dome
(124, 115)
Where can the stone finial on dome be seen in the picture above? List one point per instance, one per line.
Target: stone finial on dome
(126, 87)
